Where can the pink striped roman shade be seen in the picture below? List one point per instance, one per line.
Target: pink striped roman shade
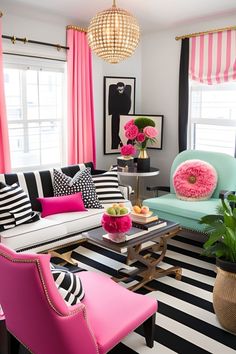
(213, 57)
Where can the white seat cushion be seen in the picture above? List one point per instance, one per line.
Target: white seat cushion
(77, 222)
(28, 235)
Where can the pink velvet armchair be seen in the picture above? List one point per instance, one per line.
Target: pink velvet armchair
(37, 316)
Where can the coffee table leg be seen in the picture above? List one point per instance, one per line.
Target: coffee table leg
(152, 271)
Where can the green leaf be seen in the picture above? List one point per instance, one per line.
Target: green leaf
(214, 237)
(210, 219)
(231, 198)
(143, 122)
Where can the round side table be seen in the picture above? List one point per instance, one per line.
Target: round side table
(133, 172)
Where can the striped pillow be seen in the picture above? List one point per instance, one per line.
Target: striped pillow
(15, 206)
(68, 285)
(107, 187)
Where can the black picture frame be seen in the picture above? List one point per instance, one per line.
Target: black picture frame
(159, 121)
(115, 105)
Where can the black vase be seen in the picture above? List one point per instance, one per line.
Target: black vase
(143, 164)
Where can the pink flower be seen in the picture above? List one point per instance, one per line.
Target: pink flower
(128, 150)
(129, 124)
(140, 137)
(131, 132)
(112, 224)
(150, 132)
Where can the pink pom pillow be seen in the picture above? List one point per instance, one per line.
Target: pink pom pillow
(64, 204)
(194, 180)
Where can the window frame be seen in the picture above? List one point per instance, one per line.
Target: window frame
(40, 64)
(192, 122)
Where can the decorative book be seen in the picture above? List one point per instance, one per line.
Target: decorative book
(152, 225)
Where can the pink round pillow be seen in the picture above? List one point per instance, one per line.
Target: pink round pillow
(194, 180)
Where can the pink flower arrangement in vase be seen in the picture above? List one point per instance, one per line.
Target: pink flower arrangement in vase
(140, 131)
(128, 151)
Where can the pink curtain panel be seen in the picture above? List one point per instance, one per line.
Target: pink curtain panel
(5, 163)
(81, 130)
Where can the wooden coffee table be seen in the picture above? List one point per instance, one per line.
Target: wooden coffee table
(137, 251)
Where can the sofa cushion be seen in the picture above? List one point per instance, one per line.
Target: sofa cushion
(107, 187)
(64, 204)
(120, 304)
(81, 182)
(170, 208)
(68, 285)
(194, 180)
(170, 204)
(28, 235)
(15, 207)
(76, 222)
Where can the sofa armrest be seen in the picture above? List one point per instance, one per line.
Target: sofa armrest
(158, 188)
(126, 191)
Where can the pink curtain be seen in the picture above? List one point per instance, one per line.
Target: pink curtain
(213, 57)
(81, 130)
(5, 163)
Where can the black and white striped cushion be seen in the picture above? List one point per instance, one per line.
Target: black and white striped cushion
(107, 187)
(15, 206)
(69, 285)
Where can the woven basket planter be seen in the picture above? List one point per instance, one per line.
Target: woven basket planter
(224, 295)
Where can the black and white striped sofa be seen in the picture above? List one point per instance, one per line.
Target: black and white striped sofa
(55, 230)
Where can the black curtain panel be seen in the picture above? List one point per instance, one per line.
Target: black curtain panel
(183, 94)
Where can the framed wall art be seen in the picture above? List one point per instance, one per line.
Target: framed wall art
(119, 99)
(158, 119)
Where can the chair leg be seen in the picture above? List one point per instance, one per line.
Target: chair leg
(3, 338)
(8, 343)
(149, 329)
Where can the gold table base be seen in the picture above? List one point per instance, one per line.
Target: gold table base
(151, 270)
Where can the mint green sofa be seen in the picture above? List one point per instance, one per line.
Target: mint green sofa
(188, 213)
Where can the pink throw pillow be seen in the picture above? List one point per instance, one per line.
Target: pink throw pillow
(64, 204)
(194, 180)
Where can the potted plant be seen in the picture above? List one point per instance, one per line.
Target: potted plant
(221, 244)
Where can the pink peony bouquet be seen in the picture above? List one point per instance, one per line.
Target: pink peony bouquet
(128, 150)
(140, 131)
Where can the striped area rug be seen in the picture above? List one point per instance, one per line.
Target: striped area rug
(185, 321)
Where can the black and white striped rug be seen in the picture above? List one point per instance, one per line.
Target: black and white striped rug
(185, 321)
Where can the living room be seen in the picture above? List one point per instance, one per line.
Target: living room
(56, 111)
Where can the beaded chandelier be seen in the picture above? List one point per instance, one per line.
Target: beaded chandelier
(113, 34)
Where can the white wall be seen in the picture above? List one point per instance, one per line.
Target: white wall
(160, 79)
(131, 68)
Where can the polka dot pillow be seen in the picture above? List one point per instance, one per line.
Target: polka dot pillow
(81, 182)
(194, 180)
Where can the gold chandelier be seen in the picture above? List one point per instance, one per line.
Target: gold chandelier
(113, 34)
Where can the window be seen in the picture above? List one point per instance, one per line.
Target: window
(213, 117)
(34, 90)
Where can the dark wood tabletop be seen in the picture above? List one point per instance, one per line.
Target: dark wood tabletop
(95, 236)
